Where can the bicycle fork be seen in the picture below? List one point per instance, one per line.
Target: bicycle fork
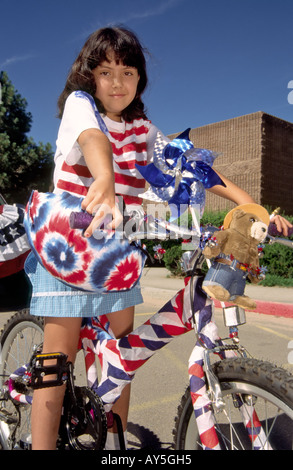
(203, 397)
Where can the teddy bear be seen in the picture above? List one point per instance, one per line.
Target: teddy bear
(235, 255)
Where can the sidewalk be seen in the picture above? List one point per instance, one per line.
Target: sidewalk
(270, 300)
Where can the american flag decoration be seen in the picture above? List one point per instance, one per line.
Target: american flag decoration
(14, 246)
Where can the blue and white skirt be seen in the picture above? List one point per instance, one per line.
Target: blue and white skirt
(52, 298)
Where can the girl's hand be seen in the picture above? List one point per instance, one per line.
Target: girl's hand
(282, 224)
(100, 202)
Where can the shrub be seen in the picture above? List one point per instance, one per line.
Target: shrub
(277, 258)
(279, 261)
(273, 280)
(172, 260)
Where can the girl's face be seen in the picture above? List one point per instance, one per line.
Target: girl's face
(116, 86)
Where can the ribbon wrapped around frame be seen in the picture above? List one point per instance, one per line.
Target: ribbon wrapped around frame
(179, 174)
(105, 262)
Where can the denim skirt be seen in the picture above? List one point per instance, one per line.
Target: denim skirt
(52, 298)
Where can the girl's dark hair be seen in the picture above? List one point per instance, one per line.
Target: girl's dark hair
(126, 48)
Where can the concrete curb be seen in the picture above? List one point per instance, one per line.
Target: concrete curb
(276, 301)
(268, 308)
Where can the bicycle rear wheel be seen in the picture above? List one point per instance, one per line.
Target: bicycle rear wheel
(18, 338)
(244, 383)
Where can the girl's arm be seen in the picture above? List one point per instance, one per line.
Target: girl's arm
(239, 196)
(231, 192)
(100, 199)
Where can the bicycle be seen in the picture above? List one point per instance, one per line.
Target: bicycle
(237, 402)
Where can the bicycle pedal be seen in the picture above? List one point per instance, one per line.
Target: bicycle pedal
(49, 375)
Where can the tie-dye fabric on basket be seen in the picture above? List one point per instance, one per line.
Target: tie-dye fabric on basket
(102, 263)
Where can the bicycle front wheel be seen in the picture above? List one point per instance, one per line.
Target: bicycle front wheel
(18, 338)
(258, 411)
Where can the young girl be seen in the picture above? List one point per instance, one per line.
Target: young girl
(97, 165)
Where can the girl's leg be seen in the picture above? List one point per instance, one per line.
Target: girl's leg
(60, 335)
(121, 324)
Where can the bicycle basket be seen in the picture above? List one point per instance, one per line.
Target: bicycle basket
(103, 263)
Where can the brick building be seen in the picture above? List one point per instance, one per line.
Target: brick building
(256, 154)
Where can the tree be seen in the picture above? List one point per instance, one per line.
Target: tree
(24, 165)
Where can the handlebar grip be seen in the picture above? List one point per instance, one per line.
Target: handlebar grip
(80, 220)
(273, 231)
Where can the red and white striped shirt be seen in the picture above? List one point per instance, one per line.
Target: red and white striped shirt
(132, 144)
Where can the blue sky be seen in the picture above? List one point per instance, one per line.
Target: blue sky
(209, 61)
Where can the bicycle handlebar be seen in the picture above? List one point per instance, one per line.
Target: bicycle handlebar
(150, 227)
(281, 241)
(273, 231)
(146, 226)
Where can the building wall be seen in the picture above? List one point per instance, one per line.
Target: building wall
(256, 153)
(277, 163)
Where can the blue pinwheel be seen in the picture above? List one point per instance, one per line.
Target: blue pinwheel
(180, 173)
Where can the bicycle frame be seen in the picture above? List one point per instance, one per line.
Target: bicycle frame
(190, 309)
(121, 358)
